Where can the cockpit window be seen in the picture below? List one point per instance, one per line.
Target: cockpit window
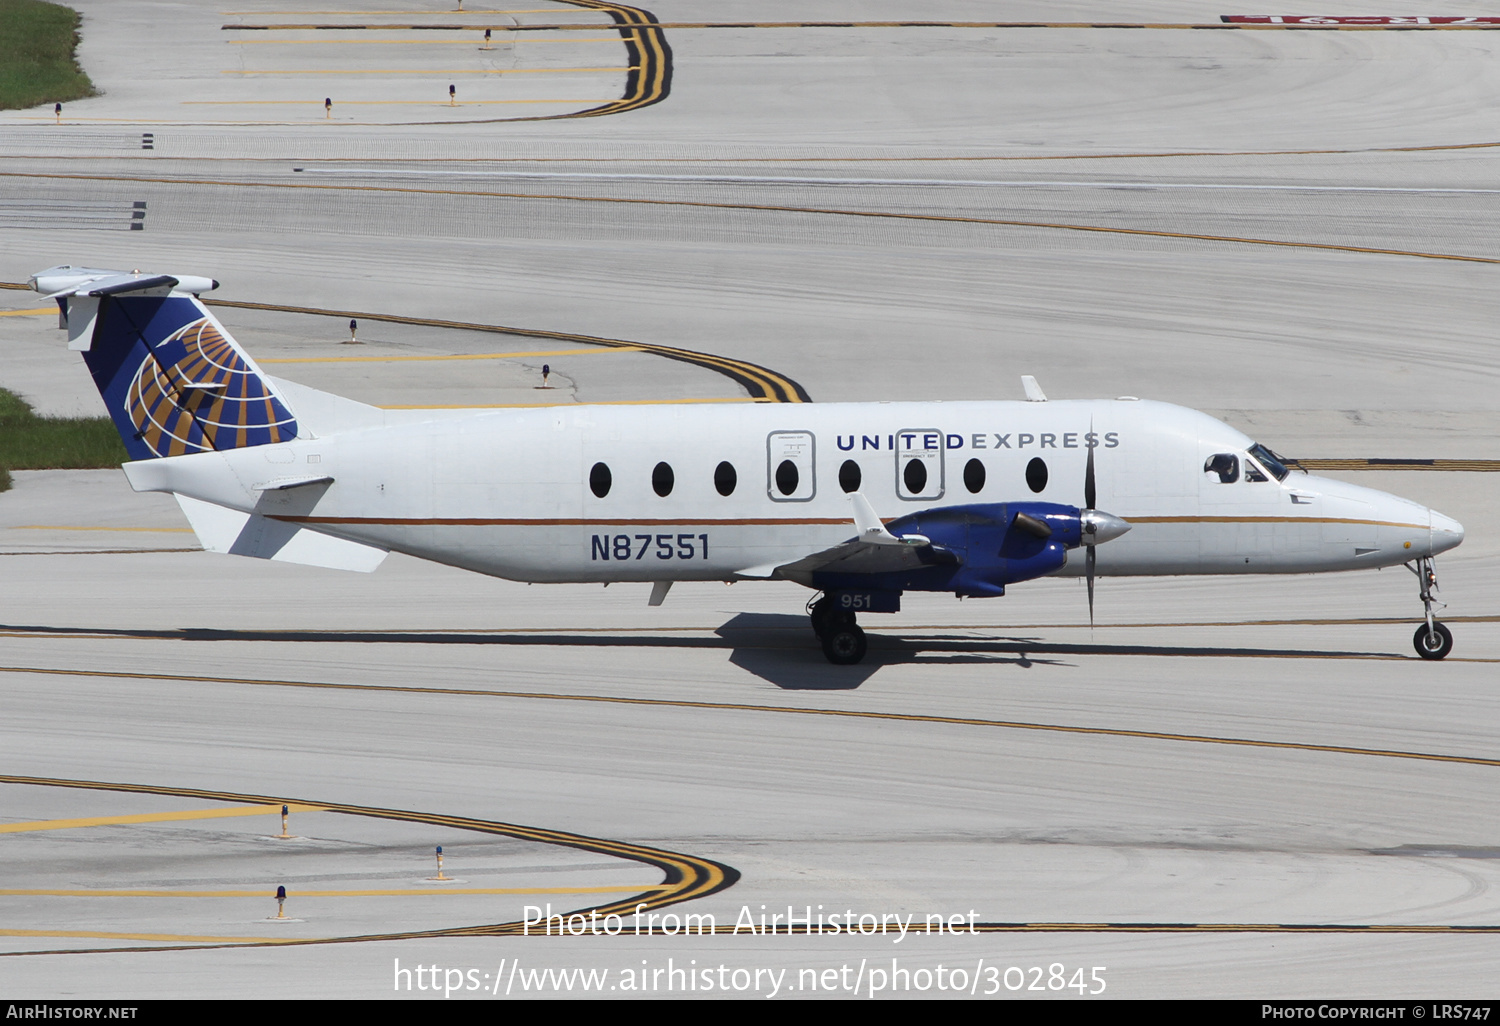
(1272, 462)
(1253, 472)
(1226, 465)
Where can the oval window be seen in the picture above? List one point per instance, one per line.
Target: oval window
(786, 477)
(974, 475)
(1036, 474)
(599, 480)
(662, 479)
(725, 478)
(915, 476)
(849, 476)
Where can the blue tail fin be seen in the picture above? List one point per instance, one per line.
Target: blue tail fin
(173, 379)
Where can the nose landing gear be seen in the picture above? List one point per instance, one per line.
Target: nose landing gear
(843, 641)
(1432, 640)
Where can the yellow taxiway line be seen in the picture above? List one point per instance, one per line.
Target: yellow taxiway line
(151, 817)
(469, 356)
(791, 710)
(617, 402)
(661, 27)
(71, 527)
(180, 938)
(371, 103)
(28, 313)
(542, 10)
(424, 42)
(842, 212)
(425, 71)
(686, 877)
(264, 893)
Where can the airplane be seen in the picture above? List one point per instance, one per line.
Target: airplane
(966, 498)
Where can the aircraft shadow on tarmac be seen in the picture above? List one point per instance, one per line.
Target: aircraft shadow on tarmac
(780, 648)
(777, 647)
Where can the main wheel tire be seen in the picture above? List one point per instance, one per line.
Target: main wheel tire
(821, 612)
(844, 644)
(1435, 645)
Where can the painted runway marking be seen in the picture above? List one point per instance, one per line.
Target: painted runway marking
(614, 402)
(404, 42)
(777, 208)
(810, 158)
(150, 817)
(28, 313)
(425, 71)
(682, 25)
(81, 527)
(91, 552)
(466, 356)
(964, 721)
(477, 10)
(897, 182)
(760, 382)
(267, 893)
(685, 877)
(170, 938)
(370, 103)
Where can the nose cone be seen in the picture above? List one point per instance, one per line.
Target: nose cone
(1446, 532)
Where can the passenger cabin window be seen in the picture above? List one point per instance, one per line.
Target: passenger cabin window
(850, 476)
(725, 478)
(662, 479)
(915, 476)
(1225, 464)
(1036, 474)
(974, 476)
(599, 480)
(787, 477)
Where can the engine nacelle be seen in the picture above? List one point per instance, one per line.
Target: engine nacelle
(975, 550)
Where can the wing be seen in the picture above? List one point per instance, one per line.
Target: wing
(874, 550)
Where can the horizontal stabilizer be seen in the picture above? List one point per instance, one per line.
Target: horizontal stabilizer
(220, 529)
(66, 280)
(281, 484)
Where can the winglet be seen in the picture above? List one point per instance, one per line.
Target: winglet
(1034, 393)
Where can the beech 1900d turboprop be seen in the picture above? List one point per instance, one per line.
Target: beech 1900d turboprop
(975, 496)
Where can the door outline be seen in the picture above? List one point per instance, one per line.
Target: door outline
(807, 466)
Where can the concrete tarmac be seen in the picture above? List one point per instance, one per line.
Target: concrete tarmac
(875, 213)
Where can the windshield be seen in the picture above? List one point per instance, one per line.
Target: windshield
(1270, 461)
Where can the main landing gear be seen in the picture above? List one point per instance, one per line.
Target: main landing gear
(843, 641)
(1432, 640)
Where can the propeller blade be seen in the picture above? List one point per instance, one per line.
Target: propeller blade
(1089, 572)
(1088, 474)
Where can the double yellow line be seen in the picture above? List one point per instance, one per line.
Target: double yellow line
(763, 385)
(686, 877)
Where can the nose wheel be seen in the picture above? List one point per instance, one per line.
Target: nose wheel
(1433, 640)
(843, 641)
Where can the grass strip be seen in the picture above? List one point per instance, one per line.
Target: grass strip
(37, 63)
(29, 442)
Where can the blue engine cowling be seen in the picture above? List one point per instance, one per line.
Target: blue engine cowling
(975, 550)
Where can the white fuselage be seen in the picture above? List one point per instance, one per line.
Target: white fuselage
(508, 493)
